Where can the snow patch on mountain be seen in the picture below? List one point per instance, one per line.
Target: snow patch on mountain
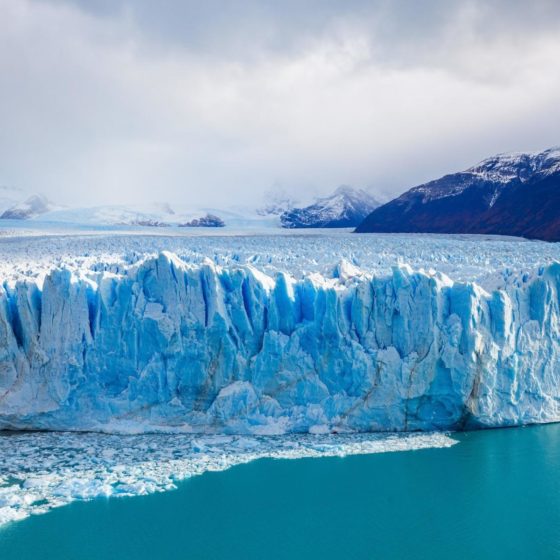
(518, 165)
(500, 170)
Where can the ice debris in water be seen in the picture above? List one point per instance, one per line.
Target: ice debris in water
(40, 471)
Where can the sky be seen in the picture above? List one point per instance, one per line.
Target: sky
(223, 102)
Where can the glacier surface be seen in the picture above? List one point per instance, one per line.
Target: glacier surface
(271, 335)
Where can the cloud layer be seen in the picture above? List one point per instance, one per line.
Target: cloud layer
(213, 102)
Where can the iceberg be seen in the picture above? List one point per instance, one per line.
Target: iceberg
(166, 345)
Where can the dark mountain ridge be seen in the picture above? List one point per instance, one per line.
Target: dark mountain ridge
(508, 194)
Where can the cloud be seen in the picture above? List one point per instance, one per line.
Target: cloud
(215, 102)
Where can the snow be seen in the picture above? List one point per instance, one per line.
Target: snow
(503, 168)
(490, 261)
(41, 471)
(500, 170)
(155, 215)
(273, 334)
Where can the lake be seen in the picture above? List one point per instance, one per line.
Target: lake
(496, 494)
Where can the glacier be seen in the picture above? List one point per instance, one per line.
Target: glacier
(160, 343)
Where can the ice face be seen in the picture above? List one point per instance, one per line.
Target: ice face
(166, 345)
(40, 471)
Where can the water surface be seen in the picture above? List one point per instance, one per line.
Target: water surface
(494, 495)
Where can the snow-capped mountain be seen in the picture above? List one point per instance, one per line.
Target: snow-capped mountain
(32, 207)
(508, 194)
(346, 207)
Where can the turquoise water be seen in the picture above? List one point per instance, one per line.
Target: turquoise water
(494, 495)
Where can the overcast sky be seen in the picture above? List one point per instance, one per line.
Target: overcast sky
(216, 102)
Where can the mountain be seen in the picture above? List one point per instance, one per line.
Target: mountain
(347, 207)
(32, 207)
(209, 220)
(508, 194)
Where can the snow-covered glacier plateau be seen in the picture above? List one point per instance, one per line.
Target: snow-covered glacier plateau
(277, 334)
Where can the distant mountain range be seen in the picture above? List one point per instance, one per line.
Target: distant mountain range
(508, 194)
(154, 215)
(347, 207)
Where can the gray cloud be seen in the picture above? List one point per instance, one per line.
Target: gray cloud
(207, 101)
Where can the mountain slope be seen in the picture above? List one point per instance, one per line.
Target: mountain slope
(32, 207)
(508, 194)
(347, 207)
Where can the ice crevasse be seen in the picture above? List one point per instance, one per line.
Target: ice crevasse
(171, 346)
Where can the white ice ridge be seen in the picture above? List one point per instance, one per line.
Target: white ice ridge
(40, 471)
(165, 345)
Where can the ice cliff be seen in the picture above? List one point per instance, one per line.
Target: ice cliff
(165, 345)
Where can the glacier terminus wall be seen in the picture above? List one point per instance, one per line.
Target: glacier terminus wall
(166, 345)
